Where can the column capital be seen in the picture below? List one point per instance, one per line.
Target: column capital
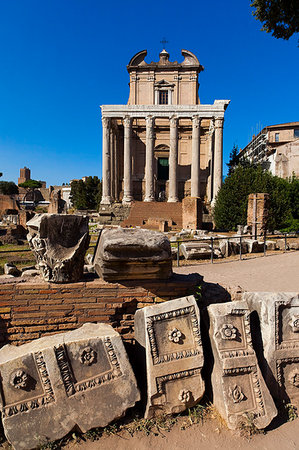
(150, 121)
(196, 121)
(127, 121)
(173, 120)
(105, 121)
(218, 122)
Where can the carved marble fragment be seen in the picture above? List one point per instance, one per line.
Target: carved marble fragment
(81, 378)
(170, 335)
(59, 243)
(132, 254)
(239, 391)
(279, 324)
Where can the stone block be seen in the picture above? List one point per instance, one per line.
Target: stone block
(131, 254)
(279, 324)
(271, 245)
(170, 334)
(239, 391)
(280, 244)
(225, 247)
(11, 269)
(192, 213)
(59, 243)
(254, 246)
(196, 250)
(294, 245)
(81, 378)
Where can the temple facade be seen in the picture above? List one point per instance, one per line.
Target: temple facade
(164, 145)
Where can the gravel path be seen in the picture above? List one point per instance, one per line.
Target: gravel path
(273, 273)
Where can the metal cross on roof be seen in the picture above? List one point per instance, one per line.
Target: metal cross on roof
(164, 42)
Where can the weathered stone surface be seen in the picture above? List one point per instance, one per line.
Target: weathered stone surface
(294, 245)
(271, 245)
(279, 323)
(133, 254)
(30, 273)
(254, 246)
(281, 245)
(59, 243)
(196, 250)
(80, 378)
(11, 269)
(225, 247)
(239, 391)
(170, 334)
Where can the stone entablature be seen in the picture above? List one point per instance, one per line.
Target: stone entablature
(166, 145)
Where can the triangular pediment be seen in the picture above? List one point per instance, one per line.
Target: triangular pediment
(164, 83)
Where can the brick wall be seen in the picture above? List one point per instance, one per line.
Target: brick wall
(29, 310)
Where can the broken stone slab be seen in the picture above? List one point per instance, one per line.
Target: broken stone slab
(225, 247)
(235, 245)
(279, 326)
(30, 273)
(294, 245)
(59, 243)
(170, 334)
(254, 246)
(196, 250)
(280, 245)
(239, 391)
(11, 269)
(133, 254)
(81, 378)
(271, 245)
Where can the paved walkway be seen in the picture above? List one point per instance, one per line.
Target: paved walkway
(277, 272)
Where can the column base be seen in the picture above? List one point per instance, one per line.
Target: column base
(106, 200)
(172, 200)
(127, 200)
(149, 199)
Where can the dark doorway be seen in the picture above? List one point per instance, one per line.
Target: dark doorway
(163, 169)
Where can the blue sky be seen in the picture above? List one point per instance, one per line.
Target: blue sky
(61, 59)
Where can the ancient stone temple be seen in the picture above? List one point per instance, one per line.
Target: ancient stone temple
(164, 145)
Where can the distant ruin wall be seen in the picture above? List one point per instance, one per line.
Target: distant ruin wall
(30, 310)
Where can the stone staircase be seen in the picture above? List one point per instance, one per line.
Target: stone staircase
(153, 214)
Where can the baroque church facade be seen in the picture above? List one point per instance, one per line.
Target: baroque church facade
(164, 145)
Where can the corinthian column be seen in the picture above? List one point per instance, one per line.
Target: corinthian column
(218, 156)
(149, 160)
(195, 163)
(173, 160)
(127, 198)
(106, 177)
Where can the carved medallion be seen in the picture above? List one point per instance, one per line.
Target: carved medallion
(228, 331)
(88, 356)
(175, 335)
(237, 394)
(295, 324)
(19, 379)
(184, 396)
(294, 378)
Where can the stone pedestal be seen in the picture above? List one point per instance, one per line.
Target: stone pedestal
(192, 213)
(257, 213)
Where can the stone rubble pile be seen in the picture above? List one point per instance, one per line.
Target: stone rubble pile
(83, 378)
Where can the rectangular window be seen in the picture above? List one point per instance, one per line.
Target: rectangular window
(163, 97)
(296, 133)
(276, 137)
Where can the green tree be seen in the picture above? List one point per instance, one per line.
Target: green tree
(232, 199)
(279, 17)
(233, 159)
(8, 188)
(86, 194)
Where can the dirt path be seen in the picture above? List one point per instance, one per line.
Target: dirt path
(272, 273)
